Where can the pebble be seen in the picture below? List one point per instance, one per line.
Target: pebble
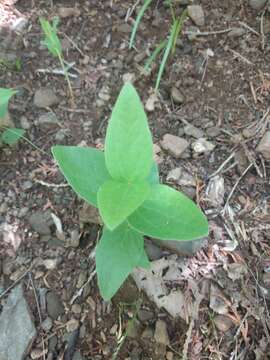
(169, 355)
(51, 264)
(223, 323)
(213, 131)
(148, 333)
(65, 12)
(55, 307)
(133, 329)
(145, 315)
(196, 13)
(47, 324)
(40, 222)
(174, 145)
(26, 185)
(236, 32)
(264, 146)
(48, 118)
(72, 325)
(82, 279)
(129, 77)
(45, 97)
(202, 146)
(257, 4)
(161, 333)
(76, 308)
(193, 131)
(177, 96)
(150, 103)
(25, 124)
(181, 177)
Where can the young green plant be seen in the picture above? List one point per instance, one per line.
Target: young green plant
(8, 136)
(54, 46)
(123, 183)
(167, 46)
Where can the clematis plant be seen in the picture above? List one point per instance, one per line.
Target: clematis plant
(123, 183)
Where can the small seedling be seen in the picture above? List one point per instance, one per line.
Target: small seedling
(167, 46)
(8, 136)
(54, 46)
(123, 182)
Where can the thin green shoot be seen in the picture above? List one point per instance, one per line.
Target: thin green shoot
(180, 23)
(137, 21)
(54, 46)
(154, 55)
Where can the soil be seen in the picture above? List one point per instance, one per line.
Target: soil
(224, 80)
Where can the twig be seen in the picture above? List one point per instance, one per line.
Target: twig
(50, 185)
(222, 165)
(262, 31)
(249, 28)
(235, 186)
(237, 54)
(39, 312)
(16, 282)
(207, 33)
(79, 292)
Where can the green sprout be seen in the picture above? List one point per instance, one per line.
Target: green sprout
(54, 46)
(8, 136)
(123, 183)
(167, 46)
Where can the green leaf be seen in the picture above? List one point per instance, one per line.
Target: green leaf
(128, 143)
(146, 4)
(153, 177)
(84, 168)
(5, 95)
(51, 38)
(117, 200)
(169, 215)
(117, 253)
(144, 261)
(11, 136)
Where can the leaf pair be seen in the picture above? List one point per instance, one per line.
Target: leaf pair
(124, 184)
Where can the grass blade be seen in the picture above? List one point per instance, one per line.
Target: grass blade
(154, 55)
(180, 23)
(137, 22)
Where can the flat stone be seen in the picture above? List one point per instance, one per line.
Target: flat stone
(257, 4)
(193, 131)
(55, 307)
(161, 333)
(174, 145)
(145, 315)
(264, 146)
(45, 97)
(202, 146)
(47, 324)
(17, 331)
(41, 222)
(196, 13)
(182, 248)
(177, 96)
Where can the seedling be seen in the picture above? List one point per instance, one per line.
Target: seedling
(167, 46)
(123, 182)
(54, 46)
(8, 136)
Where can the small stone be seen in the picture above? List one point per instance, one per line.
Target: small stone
(38, 353)
(51, 264)
(153, 251)
(202, 146)
(47, 119)
(25, 124)
(45, 97)
(177, 96)
(223, 323)
(257, 4)
(41, 222)
(150, 103)
(236, 32)
(55, 307)
(65, 12)
(169, 355)
(193, 131)
(196, 13)
(264, 146)
(74, 240)
(174, 175)
(88, 214)
(114, 329)
(27, 185)
(174, 145)
(76, 308)
(82, 279)
(145, 315)
(148, 333)
(47, 324)
(161, 333)
(124, 28)
(213, 131)
(72, 325)
(104, 94)
(129, 77)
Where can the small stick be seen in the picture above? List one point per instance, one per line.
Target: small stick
(41, 182)
(222, 165)
(207, 33)
(262, 31)
(79, 292)
(16, 282)
(237, 54)
(249, 28)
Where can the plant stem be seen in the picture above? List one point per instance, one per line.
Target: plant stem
(66, 77)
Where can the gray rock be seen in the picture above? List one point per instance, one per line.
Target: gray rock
(40, 222)
(17, 330)
(196, 13)
(25, 124)
(223, 323)
(257, 4)
(215, 191)
(181, 177)
(174, 145)
(202, 146)
(182, 248)
(193, 131)
(47, 324)
(213, 131)
(77, 356)
(134, 329)
(27, 185)
(153, 251)
(55, 307)
(48, 118)
(177, 96)
(145, 315)
(45, 97)
(161, 333)
(264, 146)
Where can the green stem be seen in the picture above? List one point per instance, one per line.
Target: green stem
(66, 76)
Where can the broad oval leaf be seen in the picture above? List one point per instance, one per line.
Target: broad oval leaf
(153, 177)
(11, 136)
(117, 200)
(84, 168)
(117, 253)
(169, 215)
(128, 143)
(5, 95)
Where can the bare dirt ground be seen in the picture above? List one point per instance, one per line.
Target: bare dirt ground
(218, 82)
